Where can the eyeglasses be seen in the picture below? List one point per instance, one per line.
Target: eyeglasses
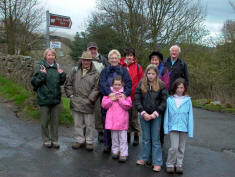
(114, 58)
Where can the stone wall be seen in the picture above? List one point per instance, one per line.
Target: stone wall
(17, 68)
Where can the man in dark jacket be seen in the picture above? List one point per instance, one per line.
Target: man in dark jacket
(177, 67)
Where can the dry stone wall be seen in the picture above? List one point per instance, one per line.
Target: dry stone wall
(17, 68)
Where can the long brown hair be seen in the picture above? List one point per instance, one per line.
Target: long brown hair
(156, 83)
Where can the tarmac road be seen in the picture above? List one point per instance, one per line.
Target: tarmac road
(211, 153)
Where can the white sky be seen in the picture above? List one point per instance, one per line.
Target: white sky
(218, 11)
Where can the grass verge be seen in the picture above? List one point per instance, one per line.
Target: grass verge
(26, 102)
(207, 104)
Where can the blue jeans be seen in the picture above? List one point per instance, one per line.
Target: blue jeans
(151, 145)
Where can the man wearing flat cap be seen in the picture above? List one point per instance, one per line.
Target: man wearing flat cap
(100, 62)
(81, 87)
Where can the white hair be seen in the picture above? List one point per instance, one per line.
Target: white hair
(114, 51)
(174, 47)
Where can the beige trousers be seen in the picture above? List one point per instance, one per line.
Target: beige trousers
(83, 122)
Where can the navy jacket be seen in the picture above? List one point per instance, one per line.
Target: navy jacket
(177, 70)
(106, 78)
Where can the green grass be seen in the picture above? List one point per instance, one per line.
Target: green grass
(26, 101)
(206, 104)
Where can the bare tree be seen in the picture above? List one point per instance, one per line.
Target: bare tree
(22, 18)
(153, 22)
(171, 19)
(228, 31)
(127, 18)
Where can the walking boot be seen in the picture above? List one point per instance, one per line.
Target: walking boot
(55, 145)
(179, 170)
(107, 150)
(77, 145)
(89, 147)
(170, 170)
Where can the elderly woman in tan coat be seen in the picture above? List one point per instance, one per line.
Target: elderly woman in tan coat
(81, 87)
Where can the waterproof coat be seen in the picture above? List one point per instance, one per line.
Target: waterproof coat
(152, 100)
(177, 70)
(47, 85)
(179, 119)
(83, 88)
(106, 78)
(117, 116)
(136, 73)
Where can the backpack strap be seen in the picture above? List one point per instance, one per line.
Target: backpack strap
(138, 67)
(74, 71)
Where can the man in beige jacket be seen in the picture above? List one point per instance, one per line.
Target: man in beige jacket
(81, 87)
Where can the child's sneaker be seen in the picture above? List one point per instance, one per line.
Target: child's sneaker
(115, 155)
(47, 144)
(122, 159)
(140, 162)
(157, 168)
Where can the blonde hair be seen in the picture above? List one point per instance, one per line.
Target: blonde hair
(156, 83)
(49, 50)
(114, 51)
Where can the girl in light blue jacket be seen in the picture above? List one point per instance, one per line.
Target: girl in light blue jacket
(178, 122)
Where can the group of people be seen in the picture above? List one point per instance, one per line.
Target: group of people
(117, 98)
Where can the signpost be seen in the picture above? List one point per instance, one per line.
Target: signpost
(54, 20)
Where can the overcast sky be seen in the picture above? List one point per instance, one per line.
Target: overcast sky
(218, 11)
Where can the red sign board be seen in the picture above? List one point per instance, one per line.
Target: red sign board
(59, 21)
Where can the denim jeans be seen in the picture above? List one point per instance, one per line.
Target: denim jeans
(151, 140)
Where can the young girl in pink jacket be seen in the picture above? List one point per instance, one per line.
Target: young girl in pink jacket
(117, 118)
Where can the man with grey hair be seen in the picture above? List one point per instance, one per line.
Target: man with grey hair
(99, 61)
(176, 66)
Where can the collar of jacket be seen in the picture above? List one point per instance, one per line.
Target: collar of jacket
(122, 62)
(169, 59)
(186, 99)
(44, 63)
(114, 68)
(119, 91)
(91, 70)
